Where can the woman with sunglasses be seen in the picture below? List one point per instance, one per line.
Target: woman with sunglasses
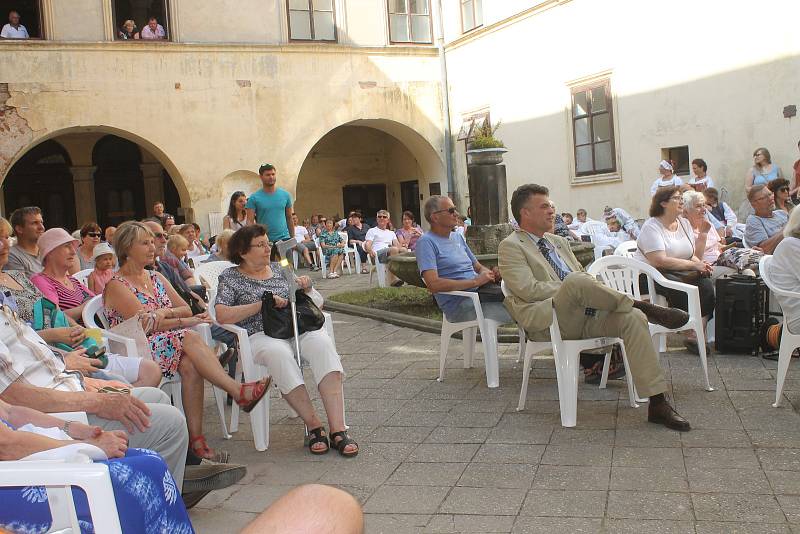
(90, 238)
(237, 215)
(763, 170)
(780, 190)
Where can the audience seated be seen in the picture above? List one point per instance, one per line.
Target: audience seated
(221, 243)
(194, 246)
(542, 275)
(177, 245)
(332, 244)
(722, 216)
(708, 242)
(315, 227)
(667, 243)
(174, 346)
(668, 177)
(153, 30)
(104, 263)
(237, 215)
(626, 220)
(410, 232)
(24, 432)
(169, 224)
(765, 226)
(109, 234)
(28, 225)
(780, 192)
(381, 243)
(90, 238)
(304, 242)
(238, 301)
(763, 170)
(14, 30)
(356, 235)
(785, 269)
(159, 213)
(128, 31)
(447, 264)
(700, 181)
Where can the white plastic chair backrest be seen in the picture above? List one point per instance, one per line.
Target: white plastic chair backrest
(622, 274)
(195, 261)
(210, 272)
(764, 265)
(343, 235)
(626, 249)
(95, 308)
(83, 276)
(592, 227)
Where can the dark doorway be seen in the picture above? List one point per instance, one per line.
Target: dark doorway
(29, 16)
(118, 184)
(409, 197)
(365, 198)
(42, 178)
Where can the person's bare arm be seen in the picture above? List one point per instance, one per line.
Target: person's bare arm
(768, 245)
(436, 284)
(234, 314)
(368, 247)
(226, 223)
(660, 260)
(289, 223)
(251, 215)
(748, 181)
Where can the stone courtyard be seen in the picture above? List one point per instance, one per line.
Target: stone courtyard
(457, 457)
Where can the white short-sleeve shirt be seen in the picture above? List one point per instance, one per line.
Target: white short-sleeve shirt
(380, 238)
(10, 32)
(300, 233)
(654, 237)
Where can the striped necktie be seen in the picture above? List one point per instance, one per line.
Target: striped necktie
(545, 250)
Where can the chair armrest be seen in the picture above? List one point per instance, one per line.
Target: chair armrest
(473, 296)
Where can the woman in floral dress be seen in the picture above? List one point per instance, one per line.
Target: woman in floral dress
(134, 291)
(332, 247)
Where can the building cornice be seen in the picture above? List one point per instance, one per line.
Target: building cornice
(501, 24)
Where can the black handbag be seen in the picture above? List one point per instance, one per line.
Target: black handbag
(277, 322)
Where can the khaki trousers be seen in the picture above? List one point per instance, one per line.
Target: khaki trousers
(615, 317)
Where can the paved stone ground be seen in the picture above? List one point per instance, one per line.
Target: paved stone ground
(457, 456)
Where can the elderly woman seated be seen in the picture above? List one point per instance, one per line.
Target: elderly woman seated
(785, 271)
(667, 242)
(239, 301)
(146, 495)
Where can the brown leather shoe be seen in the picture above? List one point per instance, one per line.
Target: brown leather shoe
(662, 413)
(668, 317)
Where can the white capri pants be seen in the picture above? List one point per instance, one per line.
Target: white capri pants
(124, 366)
(277, 355)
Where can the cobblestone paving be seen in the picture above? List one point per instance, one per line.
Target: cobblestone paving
(457, 457)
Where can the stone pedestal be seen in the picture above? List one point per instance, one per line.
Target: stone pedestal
(153, 185)
(487, 194)
(83, 184)
(484, 239)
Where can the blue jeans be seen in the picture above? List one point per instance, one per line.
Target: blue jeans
(491, 310)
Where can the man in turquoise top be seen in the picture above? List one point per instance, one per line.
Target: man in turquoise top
(271, 206)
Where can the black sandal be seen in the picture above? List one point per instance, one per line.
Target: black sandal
(342, 443)
(316, 436)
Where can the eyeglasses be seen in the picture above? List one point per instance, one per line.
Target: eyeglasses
(159, 235)
(784, 189)
(93, 234)
(677, 198)
(763, 197)
(263, 244)
(383, 217)
(451, 210)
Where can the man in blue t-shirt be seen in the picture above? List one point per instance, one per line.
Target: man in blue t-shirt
(447, 264)
(271, 206)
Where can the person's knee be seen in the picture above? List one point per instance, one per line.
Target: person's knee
(151, 395)
(149, 373)
(188, 370)
(169, 421)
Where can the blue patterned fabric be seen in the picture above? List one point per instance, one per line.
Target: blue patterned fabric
(148, 500)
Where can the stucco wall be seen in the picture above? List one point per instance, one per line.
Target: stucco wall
(78, 20)
(688, 75)
(205, 112)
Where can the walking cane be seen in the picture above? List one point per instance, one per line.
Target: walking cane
(285, 247)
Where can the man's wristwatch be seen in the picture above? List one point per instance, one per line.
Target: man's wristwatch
(66, 427)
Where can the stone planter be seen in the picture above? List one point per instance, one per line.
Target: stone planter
(486, 156)
(404, 266)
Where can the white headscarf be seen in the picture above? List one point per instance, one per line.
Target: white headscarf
(666, 165)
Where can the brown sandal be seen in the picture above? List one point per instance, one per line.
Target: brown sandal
(200, 448)
(257, 391)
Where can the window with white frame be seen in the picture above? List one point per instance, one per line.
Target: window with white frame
(312, 20)
(471, 14)
(593, 129)
(410, 21)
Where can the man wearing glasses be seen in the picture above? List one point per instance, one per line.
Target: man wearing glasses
(447, 264)
(765, 227)
(272, 207)
(380, 243)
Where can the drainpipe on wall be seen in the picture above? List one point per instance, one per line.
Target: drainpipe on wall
(448, 149)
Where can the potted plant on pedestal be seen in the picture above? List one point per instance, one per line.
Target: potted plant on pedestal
(484, 148)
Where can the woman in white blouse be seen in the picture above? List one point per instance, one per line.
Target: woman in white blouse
(668, 177)
(667, 243)
(785, 270)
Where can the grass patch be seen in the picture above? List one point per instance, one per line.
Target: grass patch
(408, 300)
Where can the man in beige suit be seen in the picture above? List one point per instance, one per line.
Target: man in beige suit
(542, 273)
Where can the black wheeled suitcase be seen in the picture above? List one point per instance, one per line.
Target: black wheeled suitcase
(740, 311)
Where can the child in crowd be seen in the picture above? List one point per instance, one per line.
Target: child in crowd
(177, 245)
(104, 262)
(461, 225)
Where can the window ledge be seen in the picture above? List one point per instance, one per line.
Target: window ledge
(595, 179)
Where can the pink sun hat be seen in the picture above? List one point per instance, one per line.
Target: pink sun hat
(52, 239)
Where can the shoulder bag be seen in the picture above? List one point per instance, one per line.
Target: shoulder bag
(277, 322)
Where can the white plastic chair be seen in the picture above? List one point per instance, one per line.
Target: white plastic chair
(626, 249)
(351, 249)
(208, 275)
(195, 261)
(347, 251)
(567, 360)
(83, 276)
(59, 477)
(622, 274)
(592, 228)
(171, 386)
(379, 269)
(789, 340)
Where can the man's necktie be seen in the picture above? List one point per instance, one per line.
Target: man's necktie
(543, 248)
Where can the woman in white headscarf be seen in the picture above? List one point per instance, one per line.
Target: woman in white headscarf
(668, 177)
